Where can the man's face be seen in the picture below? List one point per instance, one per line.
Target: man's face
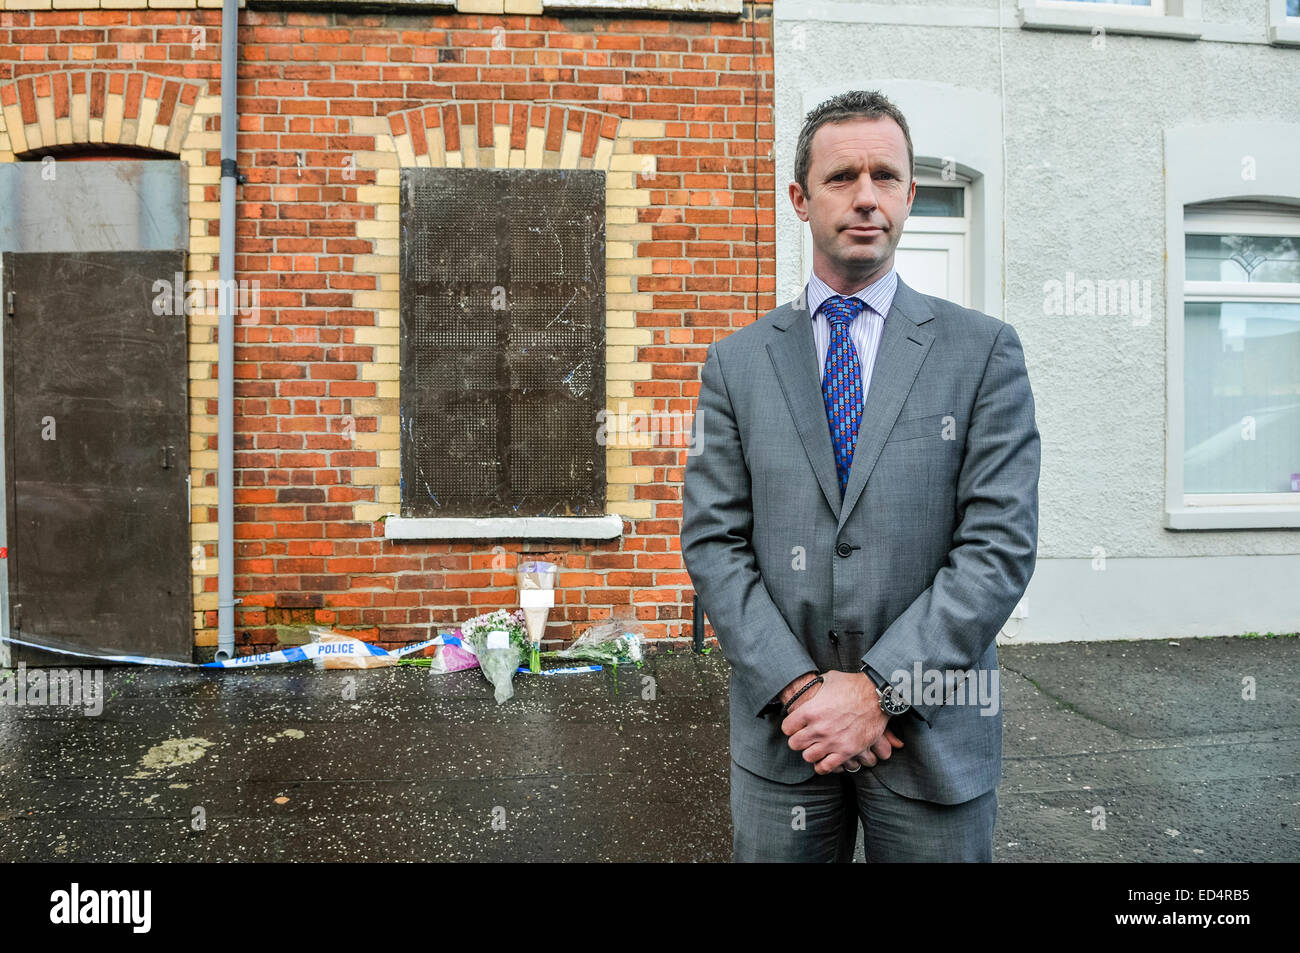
(860, 192)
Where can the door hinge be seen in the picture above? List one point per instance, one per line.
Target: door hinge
(11, 302)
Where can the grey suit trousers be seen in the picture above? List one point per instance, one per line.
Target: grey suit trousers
(816, 821)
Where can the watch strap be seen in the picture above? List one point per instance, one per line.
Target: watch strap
(878, 680)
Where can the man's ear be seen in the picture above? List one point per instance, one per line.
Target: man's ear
(799, 201)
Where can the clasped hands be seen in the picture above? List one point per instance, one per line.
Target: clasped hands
(838, 723)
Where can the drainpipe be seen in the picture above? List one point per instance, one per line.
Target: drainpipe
(226, 338)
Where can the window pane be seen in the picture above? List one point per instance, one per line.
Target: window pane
(939, 200)
(1293, 8)
(1243, 258)
(1242, 397)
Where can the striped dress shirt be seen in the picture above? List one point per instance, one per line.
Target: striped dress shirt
(865, 330)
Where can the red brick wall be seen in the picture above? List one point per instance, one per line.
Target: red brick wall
(300, 554)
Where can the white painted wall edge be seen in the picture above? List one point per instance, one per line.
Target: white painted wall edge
(1073, 600)
(609, 526)
(1278, 31)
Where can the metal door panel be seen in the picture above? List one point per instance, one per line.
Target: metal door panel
(98, 521)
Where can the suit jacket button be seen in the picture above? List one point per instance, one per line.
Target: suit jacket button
(844, 549)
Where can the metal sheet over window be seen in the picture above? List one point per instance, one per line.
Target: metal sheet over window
(503, 341)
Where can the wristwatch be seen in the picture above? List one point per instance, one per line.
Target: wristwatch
(891, 702)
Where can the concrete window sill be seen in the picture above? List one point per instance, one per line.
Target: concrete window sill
(1282, 29)
(1233, 517)
(1086, 18)
(609, 526)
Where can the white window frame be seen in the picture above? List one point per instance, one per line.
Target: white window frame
(1155, 8)
(1179, 19)
(1243, 222)
(1220, 163)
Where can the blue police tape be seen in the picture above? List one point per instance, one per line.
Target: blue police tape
(284, 656)
(134, 659)
(440, 640)
(278, 657)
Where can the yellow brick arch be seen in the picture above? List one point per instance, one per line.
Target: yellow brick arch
(123, 108)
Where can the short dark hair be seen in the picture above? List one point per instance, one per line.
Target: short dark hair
(856, 104)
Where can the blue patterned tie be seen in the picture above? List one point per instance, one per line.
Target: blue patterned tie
(842, 382)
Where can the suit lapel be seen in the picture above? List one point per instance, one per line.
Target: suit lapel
(795, 359)
(903, 347)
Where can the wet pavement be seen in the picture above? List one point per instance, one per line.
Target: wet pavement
(1151, 738)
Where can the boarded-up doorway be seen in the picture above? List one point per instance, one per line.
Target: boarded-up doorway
(96, 434)
(97, 454)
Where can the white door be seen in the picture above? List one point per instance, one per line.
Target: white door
(933, 256)
(933, 264)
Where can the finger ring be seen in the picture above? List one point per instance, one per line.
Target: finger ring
(854, 770)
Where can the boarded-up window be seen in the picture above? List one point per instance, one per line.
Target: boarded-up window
(503, 342)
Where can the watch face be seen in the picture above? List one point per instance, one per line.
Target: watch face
(892, 702)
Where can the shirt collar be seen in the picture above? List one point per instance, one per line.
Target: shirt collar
(878, 296)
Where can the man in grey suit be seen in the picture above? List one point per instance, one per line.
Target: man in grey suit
(860, 519)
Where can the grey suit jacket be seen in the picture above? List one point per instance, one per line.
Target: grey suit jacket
(922, 562)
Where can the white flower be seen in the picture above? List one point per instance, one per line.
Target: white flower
(512, 622)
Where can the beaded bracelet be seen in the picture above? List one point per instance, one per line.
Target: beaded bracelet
(785, 710)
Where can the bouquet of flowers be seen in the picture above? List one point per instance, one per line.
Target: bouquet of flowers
(448, 657)
(610, 642)
(536, 597)
(501, 642)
